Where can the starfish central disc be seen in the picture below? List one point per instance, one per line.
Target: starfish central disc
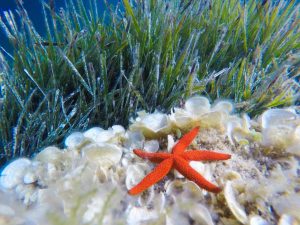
(179, 160)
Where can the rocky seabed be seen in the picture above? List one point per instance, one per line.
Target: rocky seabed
(87, 181)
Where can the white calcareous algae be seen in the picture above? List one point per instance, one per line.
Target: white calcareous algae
(87, 181)
(13, 174)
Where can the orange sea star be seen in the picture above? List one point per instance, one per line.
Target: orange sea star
(178, 159)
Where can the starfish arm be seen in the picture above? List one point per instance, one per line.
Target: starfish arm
(185, 141)
(153, 157)
(156, 175)
(198, 155)
(186, 170)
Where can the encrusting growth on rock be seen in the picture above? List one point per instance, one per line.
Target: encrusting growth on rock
(179, 160)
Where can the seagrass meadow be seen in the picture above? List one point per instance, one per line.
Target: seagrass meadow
(91, 69)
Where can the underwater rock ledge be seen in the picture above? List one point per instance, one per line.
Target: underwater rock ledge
(87, 181)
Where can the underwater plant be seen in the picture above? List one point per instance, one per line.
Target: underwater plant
(100, 70)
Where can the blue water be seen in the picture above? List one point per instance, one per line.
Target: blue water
(35, 12)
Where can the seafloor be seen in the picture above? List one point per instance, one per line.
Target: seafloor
(87, 182)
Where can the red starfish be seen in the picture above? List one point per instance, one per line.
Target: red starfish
(178, 159)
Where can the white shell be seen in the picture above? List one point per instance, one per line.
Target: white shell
(286, 219)
(102, 154)
(236, 209)
(146, 197)
(197, 105)
(134, 174)
(191, 189)
(151, 146)
(171, 143)
(134, 140)
(297, 133)
(280, 128)
(176, 218)
(141, 215)
(30, 178)
(101, 174)
(152, 124)
(74, 140)
(287, 205)
(212, 119)
(93, 132)
(246, 121)
(13, 173)
(187, 189)
(201, 215)
(294, 149)
(231, 127)
(257, 220)
(171, 187)
(273, 117)
(280, 136)
(125, 162)
(118, 129)
(53, 171)
(159, 201)
(181, 118)
(93, 209)
(155, 122)
(198, 110)
(6, 211)
(238, 130)
(26, 193)
(224, 106)
(104, 136)
(232, 175)
(50, 155)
